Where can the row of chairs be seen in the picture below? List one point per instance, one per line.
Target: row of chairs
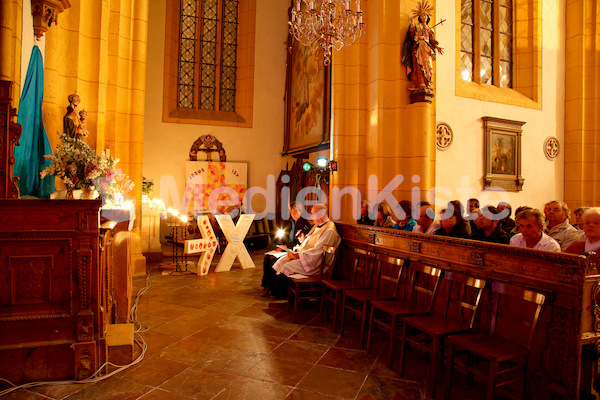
(423, 306)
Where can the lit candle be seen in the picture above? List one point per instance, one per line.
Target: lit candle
(347, 4)
(311, 5)
(298, 5)
(293, 16)
(357, 5)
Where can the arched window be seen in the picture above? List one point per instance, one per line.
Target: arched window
(487, 42)
(209, 62)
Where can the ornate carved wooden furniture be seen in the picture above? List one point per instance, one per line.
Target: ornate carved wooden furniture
(358, 301)
(504, 351)
(457, 315)
(207, 144)
(10, 132)
(56, 290)
(294, 180)
(388, 314)
(332, 290)
(54, 302)
(570, 318)
(309, 288)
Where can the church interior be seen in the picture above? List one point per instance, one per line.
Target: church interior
(150, 150)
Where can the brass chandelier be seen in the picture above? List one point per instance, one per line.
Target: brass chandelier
(330, 24)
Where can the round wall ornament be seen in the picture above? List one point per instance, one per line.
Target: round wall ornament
(443, 136)
(551, 148)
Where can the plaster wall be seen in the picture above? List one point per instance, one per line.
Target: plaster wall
(166, 145)
(460, 169)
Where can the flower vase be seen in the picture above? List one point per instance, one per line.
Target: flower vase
(69, 193)
(87, 193)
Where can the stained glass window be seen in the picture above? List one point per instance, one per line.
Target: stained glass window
(466, 40)
(487, 42)
(207, 55)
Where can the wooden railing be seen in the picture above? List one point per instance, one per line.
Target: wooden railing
(570, 319)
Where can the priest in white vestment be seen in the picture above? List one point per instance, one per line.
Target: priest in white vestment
(306, 259)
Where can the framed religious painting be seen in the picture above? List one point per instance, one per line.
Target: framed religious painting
(503, 154)
(307, 99)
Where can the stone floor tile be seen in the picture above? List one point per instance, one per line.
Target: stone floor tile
(112, 389)
(351, 360)
(159, 394)
(333, 381)
(252, 389)
(154, 371)
(300, 351)
(298, 394)
(279, 371)
(201, 383)
(316, 335)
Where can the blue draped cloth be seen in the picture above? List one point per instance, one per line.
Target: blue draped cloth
(34, 141)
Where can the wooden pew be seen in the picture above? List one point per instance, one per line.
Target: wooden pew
(570, 320)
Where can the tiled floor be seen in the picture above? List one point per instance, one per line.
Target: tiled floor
(214, 337)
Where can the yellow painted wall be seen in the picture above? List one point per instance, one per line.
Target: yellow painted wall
(166, 145)
(462, 165)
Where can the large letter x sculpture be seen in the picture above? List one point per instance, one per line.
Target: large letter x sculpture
(235, 236)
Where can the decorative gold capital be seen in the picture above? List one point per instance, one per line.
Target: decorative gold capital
(45, 12)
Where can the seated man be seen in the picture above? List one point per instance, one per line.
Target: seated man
(298, 226)
(531, 227)
(426, 222)
(488, 226)
(507, 224)
(558, 227)
(578, 212)
(472, 205)
(309, 255)
(296, 230)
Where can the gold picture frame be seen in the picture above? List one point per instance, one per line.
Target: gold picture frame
(307, 100)
(503, 154)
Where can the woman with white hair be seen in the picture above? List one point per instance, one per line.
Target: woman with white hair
(591, 228)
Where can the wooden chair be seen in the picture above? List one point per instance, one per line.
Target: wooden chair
(332, 290)
(505, 349)
(428, 332)
(388, 314)
(357, 301)
(309, 287)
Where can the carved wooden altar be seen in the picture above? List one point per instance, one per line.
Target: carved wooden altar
(54, 298)
(570, 320)
(55, 277)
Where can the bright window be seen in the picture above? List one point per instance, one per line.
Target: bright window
(487, 42)
(209, 62)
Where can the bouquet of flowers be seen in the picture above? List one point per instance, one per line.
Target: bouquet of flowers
(76, 164)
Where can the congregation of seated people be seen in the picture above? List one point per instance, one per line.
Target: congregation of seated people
(549, 229)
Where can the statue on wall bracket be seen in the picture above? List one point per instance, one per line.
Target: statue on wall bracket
(74, 121)
(418, 53)
(207, 144)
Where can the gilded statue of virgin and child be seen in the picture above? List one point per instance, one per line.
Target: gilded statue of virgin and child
(418, 51)
(74, 121)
